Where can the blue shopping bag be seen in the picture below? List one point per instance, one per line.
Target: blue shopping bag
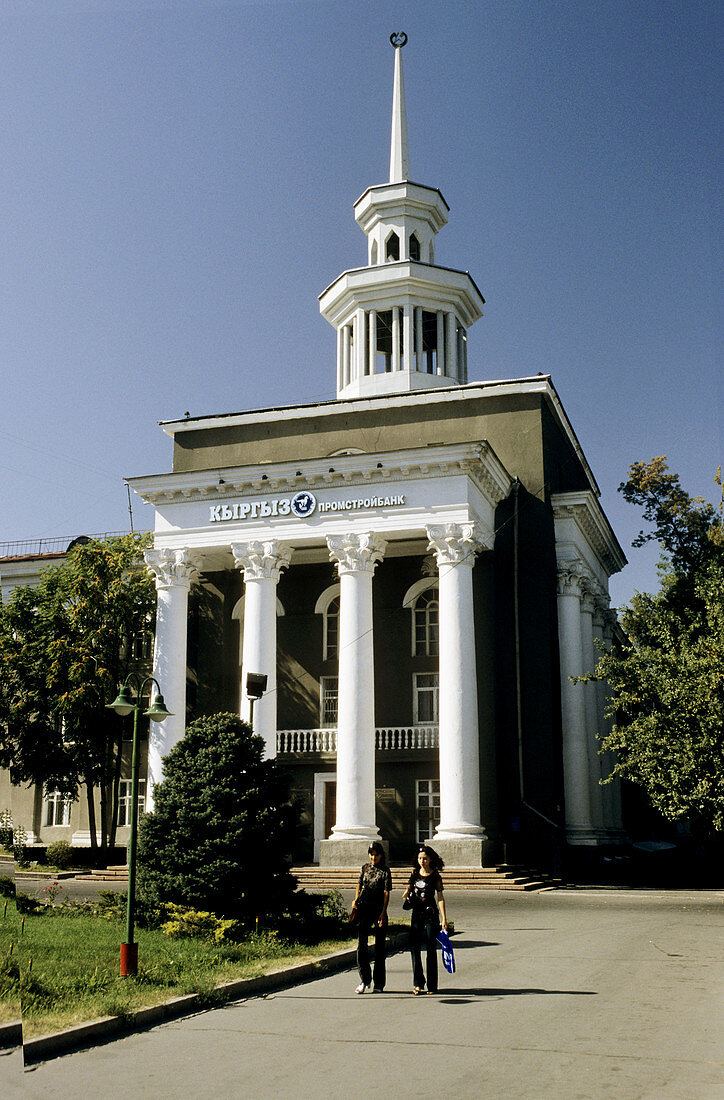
(448, 956)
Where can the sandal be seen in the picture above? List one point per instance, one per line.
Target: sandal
(417, 991)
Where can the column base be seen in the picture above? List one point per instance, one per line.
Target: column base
(583, 838)
(347, 853)
(460, 851)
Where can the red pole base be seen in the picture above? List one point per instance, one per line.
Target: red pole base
(129, 959)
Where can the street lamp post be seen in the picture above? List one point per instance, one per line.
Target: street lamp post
(123, 705)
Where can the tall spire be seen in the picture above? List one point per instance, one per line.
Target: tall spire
(399, 150)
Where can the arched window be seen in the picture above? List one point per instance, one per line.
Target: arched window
(414, 246)
(423, 599)
(328, 607)
(392, 248)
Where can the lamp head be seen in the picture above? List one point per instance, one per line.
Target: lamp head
(255, 684)
(157, 710)
(124, 703)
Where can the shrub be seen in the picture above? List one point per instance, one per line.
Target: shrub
(183, 922)
(20, 841)
(59, 854)
(6, 830)
(222, 826)
(7, 887)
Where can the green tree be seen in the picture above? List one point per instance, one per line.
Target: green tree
(223, 826)
(65, 645)
(667, 677)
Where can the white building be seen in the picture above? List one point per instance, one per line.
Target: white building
(418, 567)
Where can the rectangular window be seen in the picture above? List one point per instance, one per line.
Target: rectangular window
(328, 701)
(427, 793)
(124, 801)
(142, 646)
(56, 809)
(426, 697)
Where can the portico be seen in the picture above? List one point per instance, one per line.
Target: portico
(352, 515)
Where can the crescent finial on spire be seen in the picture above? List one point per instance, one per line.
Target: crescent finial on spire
(398, 39)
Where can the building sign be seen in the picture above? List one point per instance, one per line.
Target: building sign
(386, 794)
(302, 505)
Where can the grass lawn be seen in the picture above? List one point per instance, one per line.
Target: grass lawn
(9, 935)
(75, 959)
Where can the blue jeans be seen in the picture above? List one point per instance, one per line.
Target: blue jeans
(424, 927)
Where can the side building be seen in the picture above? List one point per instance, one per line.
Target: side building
(44, 813)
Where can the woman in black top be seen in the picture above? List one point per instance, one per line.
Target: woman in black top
(426, 921)
(370, 909)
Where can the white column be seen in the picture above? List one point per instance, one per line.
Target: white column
(418, 338)
(573, 707)
(460, 834)
(440, 342)
(616, 822)
(356, 557)
(396, 365)
(407, 353)
(340, 359)
(588, 657)
(451, 351)
(262, 563)
(599, 609)
(360, 342)
(372, 358)
(346, 339)
(173, 571)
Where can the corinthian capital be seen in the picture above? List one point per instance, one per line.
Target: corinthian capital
(171, 568)
(356, 553)
(455, 543)
(262, 560)
(571, 576)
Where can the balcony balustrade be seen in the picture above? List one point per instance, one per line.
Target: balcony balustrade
(402, 738)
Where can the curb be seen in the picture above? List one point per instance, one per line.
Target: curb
(108, 1028)
(11, 1035)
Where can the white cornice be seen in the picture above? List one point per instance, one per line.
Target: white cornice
(385, 285)
(584, 510)
(477, 460)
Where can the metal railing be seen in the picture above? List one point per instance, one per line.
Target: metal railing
(404, 738)
(28, 548)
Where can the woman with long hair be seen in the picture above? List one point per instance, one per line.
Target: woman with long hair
(424, 896)
(369, 909)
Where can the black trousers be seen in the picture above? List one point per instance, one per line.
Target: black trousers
(367, 922)
(424, 927)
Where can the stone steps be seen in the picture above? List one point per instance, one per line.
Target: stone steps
(312, 877)
(455, 878)
(104, 874)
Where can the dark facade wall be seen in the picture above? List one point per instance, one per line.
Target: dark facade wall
(562, 469)
(511, 424)
(535, 662)
(484, 602)
(299, 645)
(213, 645)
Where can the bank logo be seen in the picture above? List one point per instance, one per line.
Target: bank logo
(303, 504)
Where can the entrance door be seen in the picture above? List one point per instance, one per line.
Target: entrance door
(325, 807)
(330, 807)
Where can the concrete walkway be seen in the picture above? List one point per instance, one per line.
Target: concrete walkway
(587, 994)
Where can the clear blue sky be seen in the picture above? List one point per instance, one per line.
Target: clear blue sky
(176, 187)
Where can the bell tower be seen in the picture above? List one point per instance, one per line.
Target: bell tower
(402, 320)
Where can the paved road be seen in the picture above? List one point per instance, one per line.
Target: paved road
(566, 994)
